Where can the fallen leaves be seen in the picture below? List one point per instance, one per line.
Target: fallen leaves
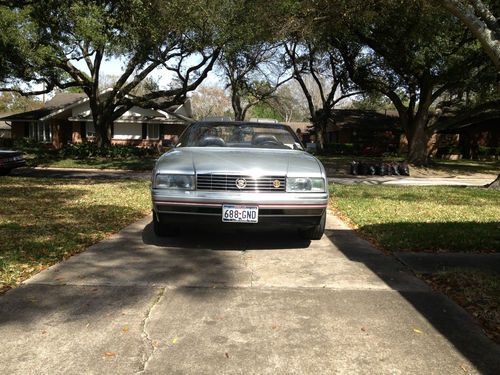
(416, 330)
(125, 328)
(59, 226)
(109, 354)
(478, 292)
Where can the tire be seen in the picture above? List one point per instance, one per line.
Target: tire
(4, 172)
(316, 232)
(163, 229)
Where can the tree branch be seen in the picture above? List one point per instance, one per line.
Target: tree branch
(477, 25)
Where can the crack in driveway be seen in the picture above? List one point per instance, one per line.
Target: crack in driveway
(149, 347)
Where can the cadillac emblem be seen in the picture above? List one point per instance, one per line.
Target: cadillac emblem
(276, 184)
(241, 183)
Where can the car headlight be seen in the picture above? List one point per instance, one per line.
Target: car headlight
(174, 181)
(309, 184)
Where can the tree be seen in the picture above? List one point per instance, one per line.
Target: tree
(210, 102)
(325, 68)
(410, 51)
(250, 63)
(265, 110)
(13, 102)
(252, 74)
(147, 35)
(374, 101)
(479, 18)
(289, 102)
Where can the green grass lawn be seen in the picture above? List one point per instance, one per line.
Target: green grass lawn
(403, 218)
(339, 165)
(131, 163)
(43, 221)
(466, 166)
(477, 292)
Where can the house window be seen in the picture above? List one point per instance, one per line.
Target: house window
(40, 132)
(153, 131)
(90, 129)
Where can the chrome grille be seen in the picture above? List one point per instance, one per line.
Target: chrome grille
(228, 182)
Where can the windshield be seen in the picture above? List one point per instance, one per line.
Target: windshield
(249, 135)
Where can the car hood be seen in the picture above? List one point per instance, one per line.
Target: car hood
(270, 162)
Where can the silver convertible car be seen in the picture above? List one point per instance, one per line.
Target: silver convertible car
(239, 174)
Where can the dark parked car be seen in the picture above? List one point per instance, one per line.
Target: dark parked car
(10, 160)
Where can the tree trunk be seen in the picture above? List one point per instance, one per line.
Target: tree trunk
(495, 184)
(102, 120)
(418, 138)
(103, 131)
(320, 122)
(320, 129)
(238, 111)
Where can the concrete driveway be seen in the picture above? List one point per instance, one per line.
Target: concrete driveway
(236, 303)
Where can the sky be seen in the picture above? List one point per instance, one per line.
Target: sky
(115, 67)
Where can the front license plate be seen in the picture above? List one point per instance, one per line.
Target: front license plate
(240, 214)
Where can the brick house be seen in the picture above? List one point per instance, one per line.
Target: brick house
(470, 134)
(66, 118)
(365, 129)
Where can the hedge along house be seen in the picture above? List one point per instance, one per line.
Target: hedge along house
(66, 118)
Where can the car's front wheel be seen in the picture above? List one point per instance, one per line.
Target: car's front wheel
(163, 229)
(316, 232)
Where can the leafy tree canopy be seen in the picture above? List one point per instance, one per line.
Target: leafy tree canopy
(412, 51)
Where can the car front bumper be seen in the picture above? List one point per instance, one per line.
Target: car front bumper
(286, 209)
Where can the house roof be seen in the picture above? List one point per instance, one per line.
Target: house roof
(28, 116)
(63, 99)
(466, 122)
(58, 102)
(3, 124)
(303, 126)
(355, 119)
(63, 102)
(359, 119)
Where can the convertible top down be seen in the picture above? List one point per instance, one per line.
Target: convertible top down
(239, 173)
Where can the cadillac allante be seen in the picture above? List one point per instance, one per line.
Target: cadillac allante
(239, 174)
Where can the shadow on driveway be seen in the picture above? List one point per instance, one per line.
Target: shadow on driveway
(77, 310)
(217, 239)
(450, 320)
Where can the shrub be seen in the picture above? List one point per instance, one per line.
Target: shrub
(32, 146)
(6, 142)
(488, 151)
(342, 149)
(90, 150)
